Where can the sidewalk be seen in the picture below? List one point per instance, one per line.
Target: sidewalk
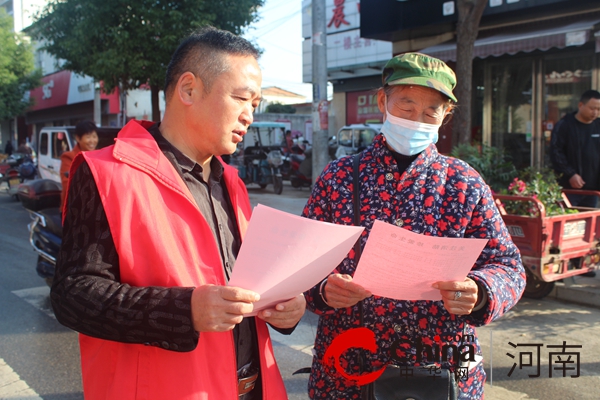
(579, 289)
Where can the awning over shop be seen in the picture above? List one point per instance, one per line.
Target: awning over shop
(574, 34)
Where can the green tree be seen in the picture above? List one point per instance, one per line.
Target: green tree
(280, 108)
(17, 72)
(129, 44)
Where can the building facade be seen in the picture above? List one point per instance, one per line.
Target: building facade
(533, 60)
(66, 98)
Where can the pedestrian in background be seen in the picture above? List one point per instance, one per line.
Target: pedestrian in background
(8, 149)
(152, 227)
(405, 181)
(575, 149)
(86, 138)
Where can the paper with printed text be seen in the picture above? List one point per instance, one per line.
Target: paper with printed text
(402, 265)
(283, 255)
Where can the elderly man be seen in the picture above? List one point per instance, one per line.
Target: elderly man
(406, 182)
(151, 232)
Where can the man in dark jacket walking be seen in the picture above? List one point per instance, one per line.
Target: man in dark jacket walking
(575, 149)
(8, 149)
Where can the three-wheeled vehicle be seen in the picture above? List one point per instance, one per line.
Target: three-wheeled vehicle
(258, 157)
(554, 247)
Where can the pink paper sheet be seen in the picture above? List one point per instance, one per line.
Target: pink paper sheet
(402, 265)
(283, 255)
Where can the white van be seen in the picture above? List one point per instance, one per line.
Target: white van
(55, 140)
(354, 138)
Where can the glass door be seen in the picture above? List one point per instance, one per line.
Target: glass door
(511, 109)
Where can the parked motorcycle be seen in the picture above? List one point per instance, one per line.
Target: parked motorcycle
(258, 158)
(256, 165)
(290, 169)
(41, 198)
(297, 169)
(16, 169)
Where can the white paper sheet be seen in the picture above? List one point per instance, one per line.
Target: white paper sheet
(283, 255)
(402, 265)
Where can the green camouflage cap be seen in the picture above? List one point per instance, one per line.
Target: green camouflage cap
(420, 69)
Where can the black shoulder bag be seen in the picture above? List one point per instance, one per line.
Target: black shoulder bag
(400, 383)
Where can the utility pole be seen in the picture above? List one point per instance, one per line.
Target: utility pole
(320, 107)
(97, 104)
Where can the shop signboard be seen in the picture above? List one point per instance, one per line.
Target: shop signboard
(345, 48)
(361, 108)
(567, 76)
(65, 88)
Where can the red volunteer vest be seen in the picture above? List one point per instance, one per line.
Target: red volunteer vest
(163, 240)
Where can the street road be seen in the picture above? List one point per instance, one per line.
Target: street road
(39, 358)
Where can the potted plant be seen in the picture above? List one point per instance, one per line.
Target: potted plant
(540, 185)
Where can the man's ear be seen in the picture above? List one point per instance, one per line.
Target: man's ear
(186, 84)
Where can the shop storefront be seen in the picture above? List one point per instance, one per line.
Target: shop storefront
(523, 97)
(527, 73)
(66, 98)
(525, 82)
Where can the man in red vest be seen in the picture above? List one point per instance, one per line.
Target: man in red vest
(152, 227)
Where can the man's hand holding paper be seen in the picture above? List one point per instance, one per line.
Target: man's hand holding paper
(286, 314)
(283, 255)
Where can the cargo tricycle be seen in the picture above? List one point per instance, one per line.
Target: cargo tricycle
(258, 157)
(554, 247)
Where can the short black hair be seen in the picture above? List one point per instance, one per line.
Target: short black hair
(85, 127)
(202, 54)
(588, 95)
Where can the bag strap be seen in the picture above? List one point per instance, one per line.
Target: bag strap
(356, 207)
(366, 391)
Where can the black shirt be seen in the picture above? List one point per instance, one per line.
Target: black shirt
(214, 204)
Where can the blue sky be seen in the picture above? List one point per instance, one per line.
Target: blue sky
(279, 34)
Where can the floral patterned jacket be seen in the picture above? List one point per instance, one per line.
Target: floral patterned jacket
(437, 196)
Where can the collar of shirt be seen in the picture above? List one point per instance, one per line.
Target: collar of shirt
(384, 156)
(183, 162)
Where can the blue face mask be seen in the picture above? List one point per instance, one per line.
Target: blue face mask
(408, 137)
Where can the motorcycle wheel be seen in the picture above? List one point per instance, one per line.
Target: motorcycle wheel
(278, 184)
